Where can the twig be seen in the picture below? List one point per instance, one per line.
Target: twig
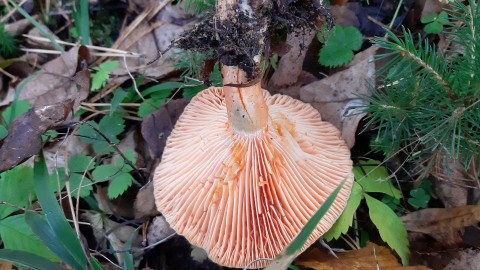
(109, 104)
(106, 258)
(12, 11)
(92, 47)
(7, 74)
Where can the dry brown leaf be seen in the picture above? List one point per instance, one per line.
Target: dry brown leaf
(157, 126)
(344, 16)
(338, 97)
(57, 82)
(24, 134)
(39, 44)
(144, 205)
(19, 27)
(443, 224)
(451, 181)
(284, 79)
(370, 257)
(150, 38)
(432, 6)
(158, 230)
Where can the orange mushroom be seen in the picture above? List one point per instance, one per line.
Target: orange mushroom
(243, 171)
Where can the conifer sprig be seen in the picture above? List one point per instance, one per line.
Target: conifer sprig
(430, 102)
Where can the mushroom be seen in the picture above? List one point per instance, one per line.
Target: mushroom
(243, 171)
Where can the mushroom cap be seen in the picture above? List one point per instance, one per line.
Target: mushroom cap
(245, 196)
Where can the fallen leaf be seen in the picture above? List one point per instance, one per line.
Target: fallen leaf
(19, 27)
(344, 16)
(150, 38)
(57, 82)
(24, 134)
(451, 181)
(372, 256)
(158, 230)
(40, 44)
(443, 224)
(144, 205)
(468, 259)
(157, 126)
(338, 97)
(289, 68)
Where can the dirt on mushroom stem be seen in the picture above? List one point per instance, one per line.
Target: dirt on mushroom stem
(244, 36)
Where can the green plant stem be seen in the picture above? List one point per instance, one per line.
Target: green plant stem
(82, 21)
(395, 15)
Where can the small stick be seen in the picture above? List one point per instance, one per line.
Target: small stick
(92, 47)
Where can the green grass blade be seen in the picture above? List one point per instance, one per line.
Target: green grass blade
(82, 21)
(54, 215)
(127, 255)
(43, 231)
(29, 260)
(285, 258)
(37, 25)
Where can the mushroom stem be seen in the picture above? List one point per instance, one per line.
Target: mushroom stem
(246, 107)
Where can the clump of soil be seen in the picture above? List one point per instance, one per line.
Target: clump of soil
(250, 31)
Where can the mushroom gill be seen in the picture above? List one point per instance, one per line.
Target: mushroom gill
(244, 194)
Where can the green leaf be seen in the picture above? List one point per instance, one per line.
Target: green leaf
(374, 178)
(118, 96)
(191, 91)
(419, 198)
(390, 227)
(105, 172)
(88, 134)
(274, 61)
(162, 90)
(390, 201)
(119, 184)
(57, 223)
(3, 132)
(429, 18)
(334, 57)
(443, 18)
(17, 235)
(344, 222)
(79, 164)
(149, 106)
(339, 47)
(28, 260)
(120, 162)
(433, 28)
(100, 77)
(55, 179)
(51, 239)
(284, 259)
(16, 188)
(15, 109)
(86, 188)
(49, 135)
(111, 125)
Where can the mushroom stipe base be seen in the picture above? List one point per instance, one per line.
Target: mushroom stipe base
(244, 196)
